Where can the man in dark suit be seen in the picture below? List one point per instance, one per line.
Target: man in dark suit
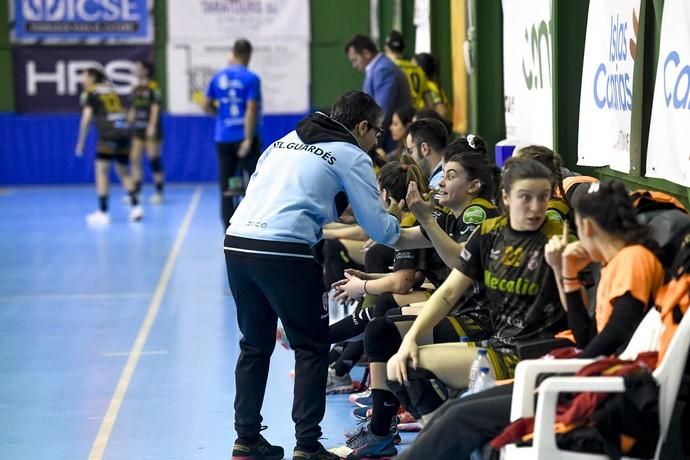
(383, 80)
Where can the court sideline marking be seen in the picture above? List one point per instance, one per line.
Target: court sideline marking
(106, 428)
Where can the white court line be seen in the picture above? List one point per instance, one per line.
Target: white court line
(109, 354)
(101, 441)
(94, 296)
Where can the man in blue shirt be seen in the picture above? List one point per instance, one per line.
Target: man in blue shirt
(383, 80)
(234, 97)
(302, 182)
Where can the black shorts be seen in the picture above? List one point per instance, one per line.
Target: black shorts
(114, 149)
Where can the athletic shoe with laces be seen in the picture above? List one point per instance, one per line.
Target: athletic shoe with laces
(261, 450)
(364, 401)
(363, 425)
(362, 394)
(362, 413)
(98, 218)
(319, 454)
(136, 213)
(337, 384)
(156, 198)
(369, 445)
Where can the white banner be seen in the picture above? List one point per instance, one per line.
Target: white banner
(668, 151)
(607, 82)
(527, 71)
(218, 20)
(282, 65)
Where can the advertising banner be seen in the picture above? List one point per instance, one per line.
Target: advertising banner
(527, 71)
(607, 82)
(668, 151)
(80, 21)
(216, 21)
(48, 79)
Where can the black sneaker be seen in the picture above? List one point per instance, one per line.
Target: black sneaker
(261, 450)
(319, 454)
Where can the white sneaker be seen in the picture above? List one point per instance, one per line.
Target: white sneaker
(136, 214)
(98, 218)
(156, 198)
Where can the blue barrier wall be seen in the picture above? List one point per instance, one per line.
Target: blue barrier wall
(39, 149)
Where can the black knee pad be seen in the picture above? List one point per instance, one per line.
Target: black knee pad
(394, 312)
(384, 302)
(157, 164)
(423, 393)
(381, 340)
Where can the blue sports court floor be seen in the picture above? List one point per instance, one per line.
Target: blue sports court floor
(120, 342)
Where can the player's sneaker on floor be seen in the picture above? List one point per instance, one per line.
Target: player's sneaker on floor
(156, 198)
(338, 384)
(364, 401)
(261, 450)
(407, 422)
(98, 218)
(368, 445)
(362, 413)
(136, 213)
(362, 394)
(363, 425)
(300, 453)
(281, 337)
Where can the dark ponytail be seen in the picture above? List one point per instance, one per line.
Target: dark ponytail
(395, 177)
(97, 74)
(610, 206)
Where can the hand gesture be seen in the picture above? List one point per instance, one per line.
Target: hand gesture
(408, 353)
(575, 257)
(351, 287)
(553, 251)
(421, 208)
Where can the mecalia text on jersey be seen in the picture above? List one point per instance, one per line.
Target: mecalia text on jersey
(520, 286)
(310, 148)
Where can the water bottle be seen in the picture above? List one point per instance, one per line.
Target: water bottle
(464, 339)
(484, 380)
(480, 361)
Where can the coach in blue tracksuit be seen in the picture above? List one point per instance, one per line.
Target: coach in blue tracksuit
(302, 182)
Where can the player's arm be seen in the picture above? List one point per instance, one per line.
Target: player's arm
(153, 119)
(86, 117)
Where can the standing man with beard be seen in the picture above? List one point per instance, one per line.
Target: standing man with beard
(302, 182)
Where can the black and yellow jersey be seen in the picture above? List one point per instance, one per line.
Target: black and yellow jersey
(459, 229)
(520, 286)
(142, 99)
(417, 80)
(438, 96)
(108, 112)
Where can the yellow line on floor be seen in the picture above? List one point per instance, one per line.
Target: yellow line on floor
(101, 441)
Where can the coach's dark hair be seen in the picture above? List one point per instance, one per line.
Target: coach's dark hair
(477, 167)
(610, 206)
(354, 107)
(97, 74)
(242, 48)
(548, 158)
(430, 131)
(360, 43)
(395, 177)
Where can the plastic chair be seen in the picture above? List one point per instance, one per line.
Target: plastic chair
(668, 375)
